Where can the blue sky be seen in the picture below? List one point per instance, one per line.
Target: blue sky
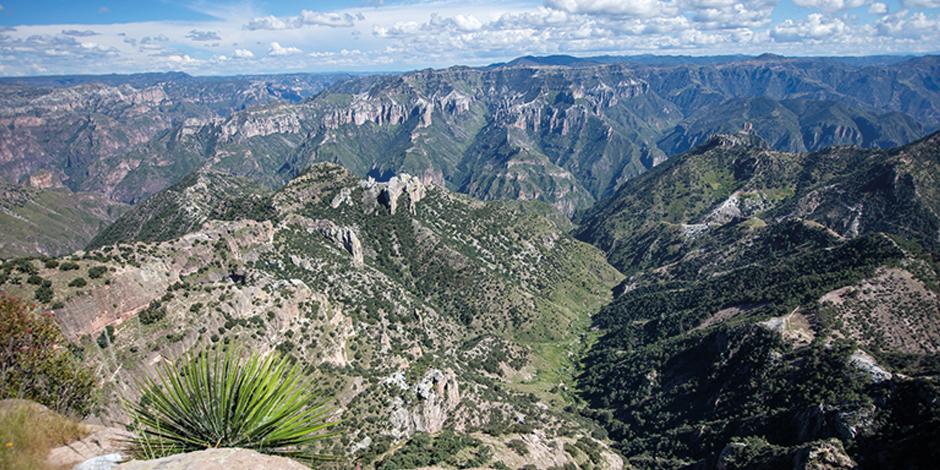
(263, 36)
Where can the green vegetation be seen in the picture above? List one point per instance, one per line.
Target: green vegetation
(719, 335)
(96, 272)
(44, 292)
(217, 399)
(154, 312)
(36, 363)
(171, 213)
(444, 448)
(106, 337)
(68, 266)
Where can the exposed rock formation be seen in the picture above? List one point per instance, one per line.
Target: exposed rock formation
(216, 459)
(100, 449)
(438, 394)
(388, 193)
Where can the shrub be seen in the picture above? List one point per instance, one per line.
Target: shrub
(153, 313)
(68, 266)
(518, 446)
(106, 338)
(97, 271)
(215, 399)
(44, 293)
(51, 263)
(78, 282)
(36, 364)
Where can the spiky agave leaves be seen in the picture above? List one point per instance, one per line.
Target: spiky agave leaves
(216, 399)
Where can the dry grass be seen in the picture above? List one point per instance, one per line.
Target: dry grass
(28, 432)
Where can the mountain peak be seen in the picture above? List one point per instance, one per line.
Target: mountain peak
(745, 138)
(767, 56)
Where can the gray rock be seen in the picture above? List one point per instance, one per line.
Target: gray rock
(102, 462)
(216, 459)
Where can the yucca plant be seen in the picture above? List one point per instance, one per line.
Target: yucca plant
(217, 399)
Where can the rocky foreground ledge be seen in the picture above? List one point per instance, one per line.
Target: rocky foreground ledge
(209, 459)
(215, 459)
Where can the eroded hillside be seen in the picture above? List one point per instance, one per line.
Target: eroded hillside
(420, 311)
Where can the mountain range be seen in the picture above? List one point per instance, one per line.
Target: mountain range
(561, 130)
(719, 262)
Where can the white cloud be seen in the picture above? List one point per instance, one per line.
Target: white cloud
(642, 8)
(306, 18)
(278, 50)
(878, 8)
(462, 23)
(903, 24)
(830, 5)
(407, 35)
(181, 59)
(715, 14)
(815, 27)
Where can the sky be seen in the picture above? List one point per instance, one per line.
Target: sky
(201, 37)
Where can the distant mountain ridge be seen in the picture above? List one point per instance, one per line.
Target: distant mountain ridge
(572, 131)
(562, 130)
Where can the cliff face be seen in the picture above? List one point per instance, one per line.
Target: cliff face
(64, 132)
(567, 134)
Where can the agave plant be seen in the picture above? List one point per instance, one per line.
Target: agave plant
(216, 399)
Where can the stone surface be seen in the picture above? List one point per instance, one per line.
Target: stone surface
(103, 462)
(215, 459)
(102, 442)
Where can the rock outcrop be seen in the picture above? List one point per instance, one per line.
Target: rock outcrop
(388, 193)
(216, 459)
(101, 448)
(437, 396)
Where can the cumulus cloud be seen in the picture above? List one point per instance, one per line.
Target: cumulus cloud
(197, 35)
(878, 8)
(461, 23)
(830, 5)
(278, 50)
(407, 35)
(815, 27)
(905, 24)
(642, 8)
(720, 14)
(181, 59)
(306, 18)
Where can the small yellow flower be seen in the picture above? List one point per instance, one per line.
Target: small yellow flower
(9, 445)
